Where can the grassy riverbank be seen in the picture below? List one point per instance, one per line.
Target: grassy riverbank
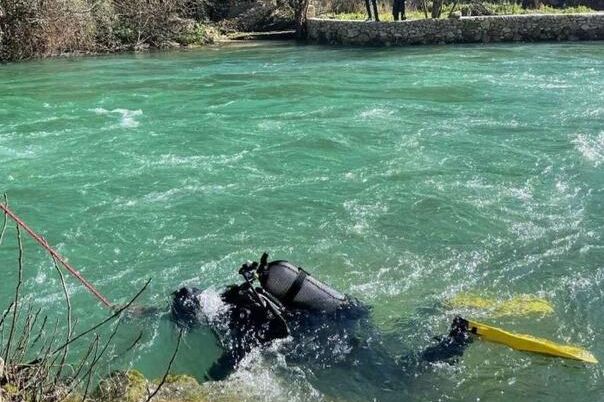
(466, 9)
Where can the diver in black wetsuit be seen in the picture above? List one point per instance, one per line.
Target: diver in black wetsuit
(327, 328)
(247, 323)
(375, 10)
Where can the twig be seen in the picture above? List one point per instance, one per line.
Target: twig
(5, 221)
(137, 340)
(40, 331)
(10, 306)
(163, 380)
(41, 363)
(69, 324)
(96, 359)
(16, 299)
(111, 317)
(23, 342)
(85, 358)
(94, 345)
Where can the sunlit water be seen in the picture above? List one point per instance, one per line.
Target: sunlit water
(400, 176)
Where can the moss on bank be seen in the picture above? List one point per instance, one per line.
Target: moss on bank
(132, 386)
(125, 386)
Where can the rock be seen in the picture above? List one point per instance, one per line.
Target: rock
(122, 386)
(169, 44)
(455, 15)
(132, 386)
(141, 47)
(260, 16)
(181, 388)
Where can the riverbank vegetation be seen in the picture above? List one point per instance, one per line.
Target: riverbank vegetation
(42, 28)
(46, 356)
(464, 9)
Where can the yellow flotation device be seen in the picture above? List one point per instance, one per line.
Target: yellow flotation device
(517, 305)
(529, 343)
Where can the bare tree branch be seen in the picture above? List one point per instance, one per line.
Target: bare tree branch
(69, 324)
(16, 299)
(111, 317)
(163, 380)
(5, 221)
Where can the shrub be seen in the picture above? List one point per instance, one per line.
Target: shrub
(38, 27)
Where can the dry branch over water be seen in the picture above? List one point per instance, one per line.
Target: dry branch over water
(38, 350)
(36, 362)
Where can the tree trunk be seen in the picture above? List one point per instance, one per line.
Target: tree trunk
(425, 7)
(301, 8)
(437, 6)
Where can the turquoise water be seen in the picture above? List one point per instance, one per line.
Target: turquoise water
(403, 177)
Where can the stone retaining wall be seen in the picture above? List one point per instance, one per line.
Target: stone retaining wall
(503, 28)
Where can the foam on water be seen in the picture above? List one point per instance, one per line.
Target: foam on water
(211, 304)
(591, 147)
(266, 377)
(375, 114)
(128, 117)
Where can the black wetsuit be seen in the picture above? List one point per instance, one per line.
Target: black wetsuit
(249, 325)
(344, 339)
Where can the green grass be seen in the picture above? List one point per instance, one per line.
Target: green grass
(499, 9)
(512, 9)
(384, 15)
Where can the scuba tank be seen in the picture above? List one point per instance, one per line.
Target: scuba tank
(294, 287)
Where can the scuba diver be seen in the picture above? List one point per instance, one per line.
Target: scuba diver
(326, 327)
(376, 16)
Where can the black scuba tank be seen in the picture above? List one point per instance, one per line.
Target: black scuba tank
(293, 286)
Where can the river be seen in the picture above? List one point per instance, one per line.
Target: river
(403, 177)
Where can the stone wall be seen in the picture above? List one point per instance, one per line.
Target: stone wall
(503, 28)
